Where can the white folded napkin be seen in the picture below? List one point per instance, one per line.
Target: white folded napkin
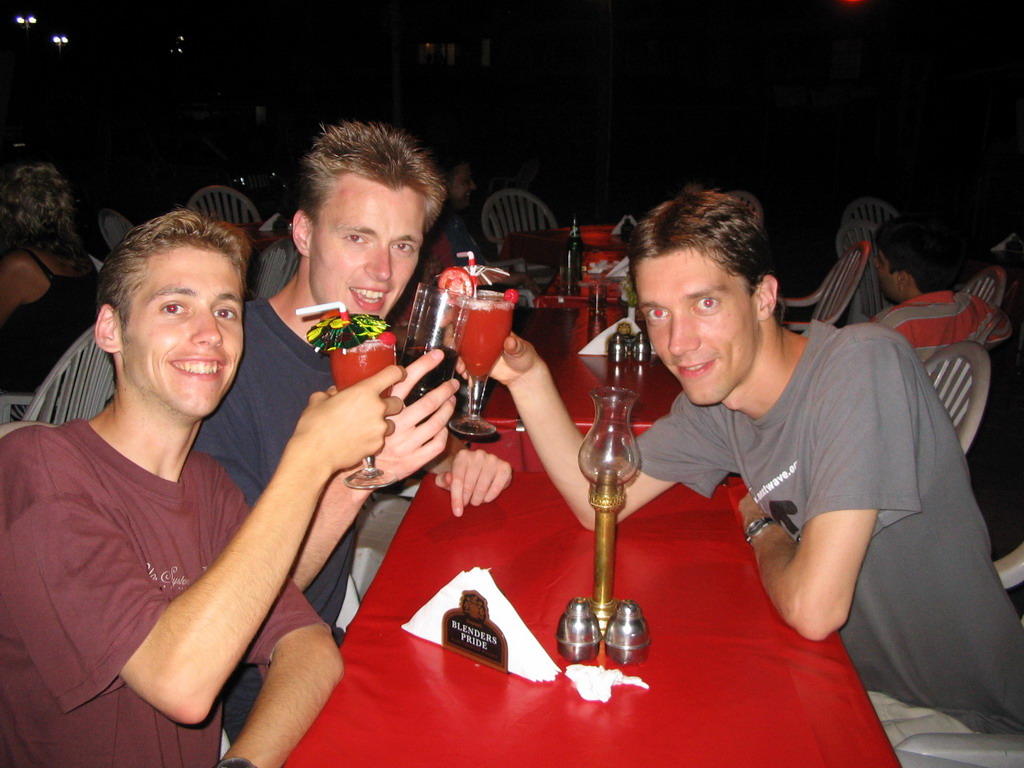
(617, 229)
(526, 657)
(599, 344)
(595, 683)
(619, 270)
(268, 225)
(1011, 242)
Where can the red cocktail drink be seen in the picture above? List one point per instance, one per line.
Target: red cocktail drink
(487, 323)
(484, 323)
(350, 366)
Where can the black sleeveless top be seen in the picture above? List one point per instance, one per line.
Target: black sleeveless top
(37, 334)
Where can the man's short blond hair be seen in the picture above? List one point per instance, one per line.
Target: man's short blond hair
(374, 151)
(124, 271)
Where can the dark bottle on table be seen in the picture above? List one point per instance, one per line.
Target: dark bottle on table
(572, 267)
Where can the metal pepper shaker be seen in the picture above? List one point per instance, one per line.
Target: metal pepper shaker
(627, 638)
(641, 346)
(579, 634)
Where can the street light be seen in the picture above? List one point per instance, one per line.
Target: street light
(60, 41)
(26, 22)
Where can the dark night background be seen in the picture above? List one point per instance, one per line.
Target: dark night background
(807, 103)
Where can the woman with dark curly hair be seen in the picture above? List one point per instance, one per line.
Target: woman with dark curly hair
(47, 281)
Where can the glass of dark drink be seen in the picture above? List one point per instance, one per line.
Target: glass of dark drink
(432, 326)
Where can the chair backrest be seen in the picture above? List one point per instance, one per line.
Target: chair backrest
(988, 284)
(224, 203)
(853, 231)
(867, 300)
(871, 209)
(77, 387)
(840, 283)
(113, 226)
(961, 374)
(273, 268)
(514, 210)
(750, 199)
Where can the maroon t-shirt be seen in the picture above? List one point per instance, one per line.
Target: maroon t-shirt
(92, 549)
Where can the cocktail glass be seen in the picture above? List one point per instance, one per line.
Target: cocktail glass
(432, 326)
(484, 322)
(350, 366)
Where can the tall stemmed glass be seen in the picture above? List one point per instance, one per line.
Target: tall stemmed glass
(484, 322)
(350, 366)
(359, 346)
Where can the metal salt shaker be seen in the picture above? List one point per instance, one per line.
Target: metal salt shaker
(620, 344)
(627, 638)
(579, 635)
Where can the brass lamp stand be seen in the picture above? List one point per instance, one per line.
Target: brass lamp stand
(608, 458)
(607, 497)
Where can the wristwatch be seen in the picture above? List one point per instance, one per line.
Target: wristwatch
(756, 526)
(234, 762)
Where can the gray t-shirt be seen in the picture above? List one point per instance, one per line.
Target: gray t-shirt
(859, 426)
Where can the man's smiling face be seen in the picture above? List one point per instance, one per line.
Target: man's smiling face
(705, 325)
(363, 244)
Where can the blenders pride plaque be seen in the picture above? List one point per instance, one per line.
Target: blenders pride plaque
(468, 630)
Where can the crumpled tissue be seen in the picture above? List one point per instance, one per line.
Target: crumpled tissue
(595, 683)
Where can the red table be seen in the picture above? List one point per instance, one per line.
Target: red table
(547, 246)
(730, 684)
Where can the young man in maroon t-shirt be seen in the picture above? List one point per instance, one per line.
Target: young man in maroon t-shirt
(133, 578)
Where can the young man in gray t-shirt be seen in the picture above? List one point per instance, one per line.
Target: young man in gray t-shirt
(861, 516)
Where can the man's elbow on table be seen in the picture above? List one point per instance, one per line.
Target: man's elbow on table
(813, 609)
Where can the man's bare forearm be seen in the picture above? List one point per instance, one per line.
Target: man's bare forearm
(555, 437)
(305, 669)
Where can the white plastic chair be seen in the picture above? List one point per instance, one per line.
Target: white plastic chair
(988, 284)
(961, 374)
(224, 203)
(833, 295)
(274, 267)
(749, 199)
(867, 300)
(514, 210)
(871, 209)
(113, 226)
(77, 387)
(521, 180)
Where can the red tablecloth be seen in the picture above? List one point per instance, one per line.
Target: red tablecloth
(730, 684)
(547, 246)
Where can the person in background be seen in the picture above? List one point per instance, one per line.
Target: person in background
(367, 195)
(860, 514)
(451, 236)
(917, 261)
(47, 280)
(133, 576)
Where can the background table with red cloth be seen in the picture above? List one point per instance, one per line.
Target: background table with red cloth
(558, 334)
(730, 683)
(547, 246)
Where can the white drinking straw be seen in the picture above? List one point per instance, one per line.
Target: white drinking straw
(321, 308)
